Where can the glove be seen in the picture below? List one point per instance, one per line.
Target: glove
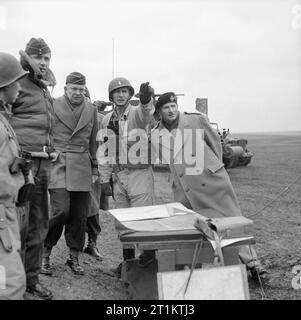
(145, 93)
(106, 189)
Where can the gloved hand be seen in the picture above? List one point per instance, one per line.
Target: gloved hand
(145, 93)
(106, 189)
(101, 105)
(53, 156)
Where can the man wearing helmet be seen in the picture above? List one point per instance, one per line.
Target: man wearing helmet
(12, 274)
(133, 182)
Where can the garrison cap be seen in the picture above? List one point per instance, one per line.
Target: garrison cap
(37, 46)
(76, 78)
(166, 98)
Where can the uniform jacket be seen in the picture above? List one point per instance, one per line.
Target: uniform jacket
(11, 267)
(32, 117)
(76, 144)
(209, 190)
(9, 150)
(134, 117)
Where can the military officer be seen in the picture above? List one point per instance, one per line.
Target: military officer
(32, 121)
(133, 181)
(203, 186)
(12, 273)
(73, 172)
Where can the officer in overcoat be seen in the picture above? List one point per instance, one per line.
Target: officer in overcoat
(12, 273)
(200, 181)
(72, 174)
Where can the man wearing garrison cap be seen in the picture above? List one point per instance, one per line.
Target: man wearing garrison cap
(32, 121)
(205, 188)
(72, 174)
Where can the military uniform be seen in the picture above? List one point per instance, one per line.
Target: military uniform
(208, 190)
(12, 274)
(133, 183)
(98, 201)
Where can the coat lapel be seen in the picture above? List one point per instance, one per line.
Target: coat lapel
(180, 139)
(64, 113)
(85, 117)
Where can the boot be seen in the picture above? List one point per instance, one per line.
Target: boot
(46, 268)
(92, 250)
(38, 290)
(73, 263)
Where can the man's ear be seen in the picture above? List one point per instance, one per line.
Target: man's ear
(65, 88)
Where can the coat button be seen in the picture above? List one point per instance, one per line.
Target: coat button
(181, 175)
(203, 184)
(187, 189)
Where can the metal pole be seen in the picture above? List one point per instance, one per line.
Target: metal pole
(113, 58)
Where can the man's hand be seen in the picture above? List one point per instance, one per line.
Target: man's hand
(145, 93)
(53, 156)
(106, 189)
(94, 178)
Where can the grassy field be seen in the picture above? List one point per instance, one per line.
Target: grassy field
(268, 190)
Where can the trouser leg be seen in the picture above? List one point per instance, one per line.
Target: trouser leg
(76, 223)
(60, 207)
(141, 187)
(23, 216)
(93, 228)
(120, 190)
(12, 273)
(38, 221)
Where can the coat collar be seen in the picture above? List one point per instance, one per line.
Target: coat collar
(65, 114)
(165, 135)
(85, 117)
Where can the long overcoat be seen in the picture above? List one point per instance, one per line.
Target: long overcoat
(207, 190)
(77, 146)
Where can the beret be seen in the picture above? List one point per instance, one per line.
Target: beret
(166, 98)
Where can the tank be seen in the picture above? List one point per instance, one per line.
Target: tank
(235, 151)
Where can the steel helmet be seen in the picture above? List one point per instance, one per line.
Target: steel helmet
(10, 69)
(120, 82)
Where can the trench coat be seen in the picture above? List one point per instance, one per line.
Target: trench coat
(76, 145)
(207, 189)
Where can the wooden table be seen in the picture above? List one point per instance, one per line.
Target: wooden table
(173, 251)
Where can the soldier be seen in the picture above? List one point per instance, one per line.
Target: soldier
(32, 121)
(133, 183)
(99, 200)
(198, 188)
(12, 273)
(73, 172)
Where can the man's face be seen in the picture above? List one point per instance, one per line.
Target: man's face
(43, 61)
(169, 112)
(11, 92)
(121, 97)
(75, 93)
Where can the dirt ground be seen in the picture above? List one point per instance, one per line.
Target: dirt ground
(268, 189)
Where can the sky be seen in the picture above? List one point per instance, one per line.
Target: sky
(244, 56)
